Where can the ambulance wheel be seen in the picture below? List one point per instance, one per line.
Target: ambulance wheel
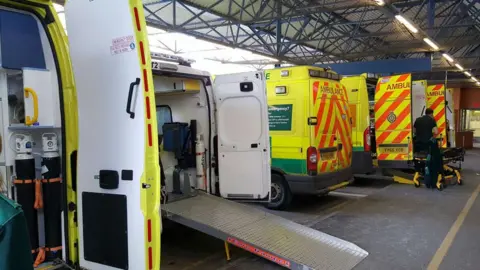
(280, 194)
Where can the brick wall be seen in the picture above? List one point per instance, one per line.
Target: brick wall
(470, 98)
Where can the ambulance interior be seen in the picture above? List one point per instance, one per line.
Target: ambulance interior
(30, 156)
(184, 117)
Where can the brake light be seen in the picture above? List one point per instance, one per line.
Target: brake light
(366, 140)
(312, 160)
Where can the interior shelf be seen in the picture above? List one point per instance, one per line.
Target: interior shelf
(23, 127)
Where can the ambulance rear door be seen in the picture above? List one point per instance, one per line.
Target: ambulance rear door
(322, 122)
(393, 121)
(419, 101)
(436, 101)
(450, 117)
(118, 182)
(343, 126)
(243, 141)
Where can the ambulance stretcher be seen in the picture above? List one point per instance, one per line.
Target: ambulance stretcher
(414, 174)
(450, 156)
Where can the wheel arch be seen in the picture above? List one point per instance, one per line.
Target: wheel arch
(276, 170)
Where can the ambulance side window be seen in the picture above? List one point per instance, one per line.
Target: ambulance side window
(164, 115)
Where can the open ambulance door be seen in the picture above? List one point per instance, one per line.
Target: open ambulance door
(118, 173)
(450, 117)
(419, 100)
(437, 102)
(243, 139)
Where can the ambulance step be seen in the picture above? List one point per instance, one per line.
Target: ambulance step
(274, 238)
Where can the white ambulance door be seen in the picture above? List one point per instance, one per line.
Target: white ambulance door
(419, 101)
(449, 111)
(112, 76)
(243, 138)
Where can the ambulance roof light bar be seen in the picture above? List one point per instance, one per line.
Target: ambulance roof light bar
(172, 58)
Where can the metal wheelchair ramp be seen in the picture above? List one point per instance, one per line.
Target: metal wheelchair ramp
(279, 240)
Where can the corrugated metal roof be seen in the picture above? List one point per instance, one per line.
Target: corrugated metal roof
(317, 30)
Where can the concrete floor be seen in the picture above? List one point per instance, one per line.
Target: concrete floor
(400, 226)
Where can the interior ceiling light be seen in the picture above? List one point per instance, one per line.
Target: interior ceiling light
(407, 24)
(475, 79)
(448, 57)
(431, 43)
(380, 2)
(468, 74)
(459, 67)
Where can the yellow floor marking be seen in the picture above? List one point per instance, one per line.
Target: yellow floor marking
(452, 233)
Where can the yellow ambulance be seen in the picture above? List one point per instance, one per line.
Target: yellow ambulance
(360, 91)
(310, 132)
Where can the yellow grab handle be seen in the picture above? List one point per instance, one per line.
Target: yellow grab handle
(31, 120)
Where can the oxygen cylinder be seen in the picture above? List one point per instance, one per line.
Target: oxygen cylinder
(52, 188)
(200, 162)
(25, 185)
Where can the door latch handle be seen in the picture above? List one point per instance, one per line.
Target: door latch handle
(312, 121)
(130, 95)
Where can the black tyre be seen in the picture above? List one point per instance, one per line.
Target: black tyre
(280, 194)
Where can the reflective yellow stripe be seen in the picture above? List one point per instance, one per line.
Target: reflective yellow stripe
(150, 197)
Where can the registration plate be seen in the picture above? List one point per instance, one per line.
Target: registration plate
(393, 150)
(327, 156)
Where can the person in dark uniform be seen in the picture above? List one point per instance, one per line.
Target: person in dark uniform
(425, 130)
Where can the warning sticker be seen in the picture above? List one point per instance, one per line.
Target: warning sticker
(122, 45)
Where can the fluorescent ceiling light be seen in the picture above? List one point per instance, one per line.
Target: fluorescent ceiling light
(448, 57)
(459, 67)
(380, 2)
(431, 43)
(474, 79)
(468, 74)
(407, 24)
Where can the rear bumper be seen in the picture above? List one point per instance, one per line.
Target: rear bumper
(362, 162)
(394, 164)
(319, 184)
